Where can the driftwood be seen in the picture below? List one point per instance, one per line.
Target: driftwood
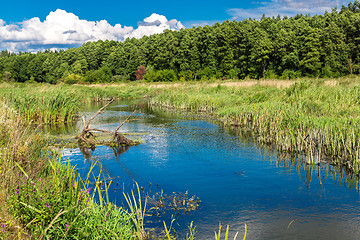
(87, 136)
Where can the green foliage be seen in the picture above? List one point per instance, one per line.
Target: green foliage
(72, 79)
(318, 46)
(290, 74)
(59, 103)
(101, 75)
(120, 78)
(48, 199)
(160, 76)
(58, 203)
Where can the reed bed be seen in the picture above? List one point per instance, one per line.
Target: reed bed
(311, 118)
(45, 103)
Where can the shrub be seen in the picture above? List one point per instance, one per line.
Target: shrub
(72, 79)
(140, 72)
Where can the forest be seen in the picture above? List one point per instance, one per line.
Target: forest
(324, 46)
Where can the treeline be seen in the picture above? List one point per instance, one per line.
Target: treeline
(325, 45)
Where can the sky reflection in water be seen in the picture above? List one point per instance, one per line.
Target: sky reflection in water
(236, 182)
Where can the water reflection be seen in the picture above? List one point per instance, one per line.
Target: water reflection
(293, 162)
(236, 180)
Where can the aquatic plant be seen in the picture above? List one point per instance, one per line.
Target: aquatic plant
(137, 211)
(218, 235)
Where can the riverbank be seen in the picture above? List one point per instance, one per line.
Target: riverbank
(42, 198)
(315, 119)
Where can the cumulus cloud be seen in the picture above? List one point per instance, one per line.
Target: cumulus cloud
(61, 29)
(286, 8)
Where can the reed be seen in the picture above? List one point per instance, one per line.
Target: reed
(137, 211)
(226, 237)
(311, 118)
(46, 103)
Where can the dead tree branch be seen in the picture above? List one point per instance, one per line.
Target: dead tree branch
(87, 137)
(116, 131)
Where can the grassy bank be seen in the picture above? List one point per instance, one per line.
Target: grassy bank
(44, 199)
(317, 119)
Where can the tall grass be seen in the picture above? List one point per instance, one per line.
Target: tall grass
(60, 103)
(44, 199)
(310, 118)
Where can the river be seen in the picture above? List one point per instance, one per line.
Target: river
(236, 181)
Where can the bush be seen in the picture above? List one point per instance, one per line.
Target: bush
(186, 75)
(270, 74)
(234, 73)
(160, 76)
(101, 75)
(72, 79)
(140, 72)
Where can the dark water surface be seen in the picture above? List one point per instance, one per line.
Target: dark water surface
(236, 182)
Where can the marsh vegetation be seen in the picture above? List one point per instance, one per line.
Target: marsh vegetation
(313, 121)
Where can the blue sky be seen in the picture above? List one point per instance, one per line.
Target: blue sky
(124, 12)
(24, 25)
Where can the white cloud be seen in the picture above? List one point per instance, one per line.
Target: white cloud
(154, 24)
(61, 29)
(286, 8)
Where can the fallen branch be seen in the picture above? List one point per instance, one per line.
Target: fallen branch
(87, 136)
(116, 131)
(97, 113)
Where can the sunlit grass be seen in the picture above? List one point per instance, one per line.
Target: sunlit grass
(312, 118)
(46, 103)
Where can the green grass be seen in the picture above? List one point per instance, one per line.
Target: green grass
(317, 120)
(45, 103)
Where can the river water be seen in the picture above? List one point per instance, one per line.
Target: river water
(236, 181)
